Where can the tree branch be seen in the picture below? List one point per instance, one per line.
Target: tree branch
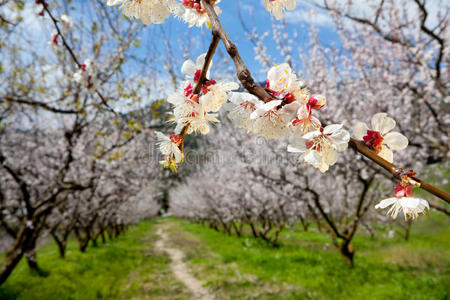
(72, 54)
(242, 71)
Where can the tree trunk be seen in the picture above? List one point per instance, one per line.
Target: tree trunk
(32, 262)
(102, 236)
(61, 243)
(348, 252)
(82, 241)
(25, 239)
(12, 259)
(236, 229)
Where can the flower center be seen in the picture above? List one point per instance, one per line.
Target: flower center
(248, 105)
(194, 4)
(374, 140)
(403, 190)
(315, 102)
(319, 143)
(175, 138)
(273, 116)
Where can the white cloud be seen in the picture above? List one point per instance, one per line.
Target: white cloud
(310, 16)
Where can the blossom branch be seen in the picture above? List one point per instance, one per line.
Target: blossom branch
(397, 172)
(72, 54)
(248, 82)
(208, 58)
(242, 71)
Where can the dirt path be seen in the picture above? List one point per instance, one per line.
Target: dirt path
(179, 268)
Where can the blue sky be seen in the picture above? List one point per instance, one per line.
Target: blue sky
(253, 15)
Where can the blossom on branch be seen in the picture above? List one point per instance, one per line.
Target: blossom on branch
(196, 112)
(86, 75)
(240, 109)
(305, 121)
(380, 139)
(319, 148)
(193, 69)
(280, 78)
(217, 95)
(270, 120)
(198, 120)
(148, 11)
(55, 40)
(410, 206)
(277, 7)
(40, 7)
(66, 21)
(169, 147)
(194, 14)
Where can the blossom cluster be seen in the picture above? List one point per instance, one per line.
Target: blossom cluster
(193, 112)
(277, 7)
(290, 113)
(157, 11)
(190, 11)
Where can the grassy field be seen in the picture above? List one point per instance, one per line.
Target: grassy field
(125, 268)
(304, 266)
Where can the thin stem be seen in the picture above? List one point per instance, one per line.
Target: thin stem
(208, 58)
(209, 55)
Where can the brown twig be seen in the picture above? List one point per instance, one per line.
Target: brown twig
(360, 147)
(208, 58)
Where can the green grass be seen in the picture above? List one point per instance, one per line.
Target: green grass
(304, 266)
(385, 268)
(123, 268)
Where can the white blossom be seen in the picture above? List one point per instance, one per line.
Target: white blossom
(197, 120)
(66, 21)
(379, 138)
(280, 77)
(241, 107)
(87, 75)
(410, 206)
(193, 13)
(277, 7)
(190, 68)
(269, 120)
(168, 146)
(148, 11)
(319, 148)
(217, 95)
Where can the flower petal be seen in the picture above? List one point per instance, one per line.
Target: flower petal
(294, 149)
(382, 123)
(188, 68)
(313, 158)
(200, 61)
(330, 129)
(395, 141)
(360, 130)
(386, 202)
(162, 137)
(386, 154)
